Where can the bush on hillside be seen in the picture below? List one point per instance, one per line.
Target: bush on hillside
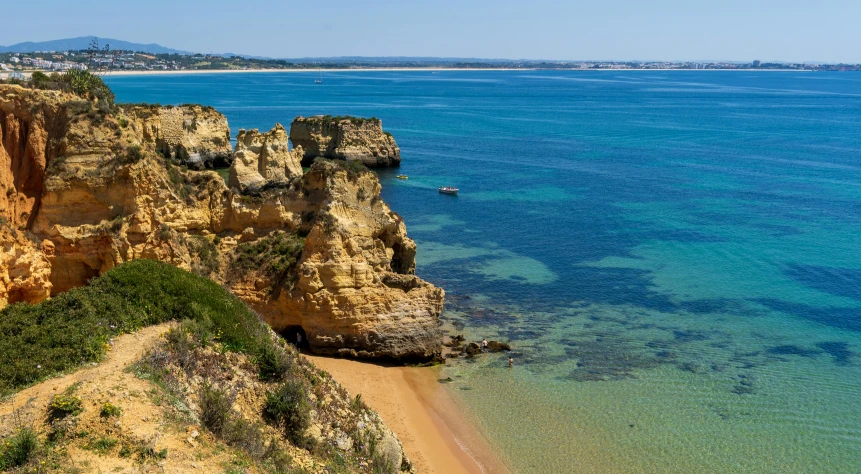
(288, 408)
(82, 83)
(215, 406)
(275, 255)
(73, 328)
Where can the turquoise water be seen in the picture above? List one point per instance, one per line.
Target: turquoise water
(674, 255)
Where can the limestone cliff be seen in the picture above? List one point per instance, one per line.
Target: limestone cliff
(196, 136)
(262, 157)
(317, 252)
(345, 138)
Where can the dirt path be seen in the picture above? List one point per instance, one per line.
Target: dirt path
(145, 421)
(127, 349)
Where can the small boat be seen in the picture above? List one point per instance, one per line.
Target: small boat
(402, 176)
(448, 190)
(318, 81)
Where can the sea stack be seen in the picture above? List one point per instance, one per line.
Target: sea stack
(263, 157)
(345, 138)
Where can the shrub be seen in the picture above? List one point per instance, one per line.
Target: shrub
(164, 231)
(354, 169)
(273, 363)
(358, 404)
(110, 410)
(288, 408)
(133, 154)
(18, 449)
(82, 83)
(79, 107)
(275, 255)
(64, 405)
(207, 254)
(102, 445)
(215, 406)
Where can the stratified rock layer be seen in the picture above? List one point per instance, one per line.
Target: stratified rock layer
(345, 138)
(85, 191)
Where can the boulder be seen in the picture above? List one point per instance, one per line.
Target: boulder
(496, 346)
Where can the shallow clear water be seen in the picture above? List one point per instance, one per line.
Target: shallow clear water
(675, 255)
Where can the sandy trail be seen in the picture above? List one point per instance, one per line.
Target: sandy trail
(128, 348)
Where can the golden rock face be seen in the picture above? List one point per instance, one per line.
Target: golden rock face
(82, 191)
(345, 138)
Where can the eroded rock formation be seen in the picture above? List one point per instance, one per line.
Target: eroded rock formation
(197, 136)
(85, 190)
(345, 138)
(263, 157)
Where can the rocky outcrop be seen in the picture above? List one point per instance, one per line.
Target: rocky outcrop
(354, 291)
(263, 157)
(89, 191)
(26, 119)
(24, 268)
(196, 136)
(345, 138)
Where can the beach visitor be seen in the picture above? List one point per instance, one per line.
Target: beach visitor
(298, 339)
(511, 361)
(483, 345)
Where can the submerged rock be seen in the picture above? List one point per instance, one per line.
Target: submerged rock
(496, 346)
(471, 349)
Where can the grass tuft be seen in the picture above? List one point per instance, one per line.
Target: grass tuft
(18, 449)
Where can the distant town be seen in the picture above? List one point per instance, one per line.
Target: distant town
(20, 64)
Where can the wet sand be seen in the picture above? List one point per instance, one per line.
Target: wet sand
(437, 434)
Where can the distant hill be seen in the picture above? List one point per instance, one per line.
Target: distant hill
(72, 44)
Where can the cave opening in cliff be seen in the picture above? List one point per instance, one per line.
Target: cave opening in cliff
(292, 333)
(396, 258)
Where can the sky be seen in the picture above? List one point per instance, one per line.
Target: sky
(742, 30)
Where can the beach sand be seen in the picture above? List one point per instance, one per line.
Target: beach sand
(437, 434)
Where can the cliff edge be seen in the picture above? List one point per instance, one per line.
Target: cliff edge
(318, 253)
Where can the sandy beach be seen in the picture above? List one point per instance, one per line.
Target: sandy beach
(437, 434)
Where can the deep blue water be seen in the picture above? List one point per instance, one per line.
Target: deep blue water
(675, 255)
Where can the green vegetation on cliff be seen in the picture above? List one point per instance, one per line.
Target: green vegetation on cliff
(73, 328)
(327, 119)
(81, 83)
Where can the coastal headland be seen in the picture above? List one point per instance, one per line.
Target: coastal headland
(90, 185)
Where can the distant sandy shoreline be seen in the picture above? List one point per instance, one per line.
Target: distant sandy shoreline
(417, 69)
(436, 432)
(4, 75)
(240, 71)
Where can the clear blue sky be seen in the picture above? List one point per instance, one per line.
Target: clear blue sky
(792, 30)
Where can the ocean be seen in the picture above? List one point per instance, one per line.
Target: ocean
(674, 255)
